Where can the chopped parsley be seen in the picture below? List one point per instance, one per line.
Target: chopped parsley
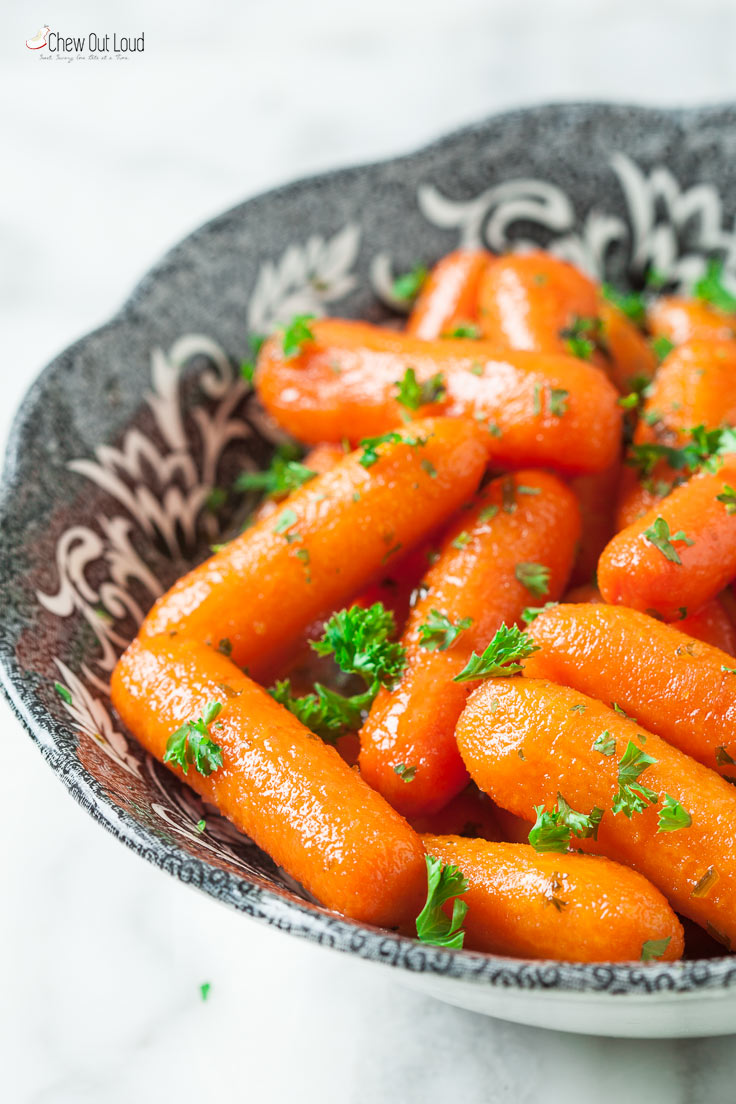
(605, 744)
(405, 773)
(200, 825)
(284, 475)
(191, 745)
(462, 540)
(433, 924)
(284, 521)
(728, 498)
(407, 287)
(225, 646)
(659, 535)
(360, 641)
(630, 303)
(370, 445)
(296, 335)
(534, 576)
(558, 401)
(552, 830)
(632, 797)
(582, 337)
(704, 450)
(654, 948)
(325, 712)
(500, 657)
(438, 633)
(413, 394)
(711, 289)
(63, 693)
(530, 613)
(662, 347)
(466, 329)
(204, 990)
(488, 513)
(672, 816)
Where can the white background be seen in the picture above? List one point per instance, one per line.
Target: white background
(103, 165)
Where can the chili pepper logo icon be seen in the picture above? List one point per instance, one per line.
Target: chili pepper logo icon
(39, 39)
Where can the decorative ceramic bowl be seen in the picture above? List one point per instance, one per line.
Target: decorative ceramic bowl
(118, 445)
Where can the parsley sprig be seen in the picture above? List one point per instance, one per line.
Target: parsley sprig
(672, 816)
(659, 535)
(283, 475)
(711, 289)
(630, 303)
(583, 337)
(633, 797)
(369, 445)
(438, 633)
(412, 394)
(296, 334)
(360, 640)
(192, 745)
(703, 451)
(407, 286)
(501, 656)
(433, 924)
(534, 576)
(552, 830)
(325, 712)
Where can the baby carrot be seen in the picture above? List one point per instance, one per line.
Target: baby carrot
(681, 553)
(278, 783)
(695, 386)
(680, 319)
(673, 685)
(513, 548)
(530, 743)
(538, 408)
(631, 358)
(712, 623)
(449, 297)
(550, 905)
(329, 539)
(536, 301)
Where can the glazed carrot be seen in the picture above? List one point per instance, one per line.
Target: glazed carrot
(680, 320)
(330, 538)
(650, 565)
(596, 495)
(487, 572)
(470, 814)
(278, 783)
(672, 684)
(529, 301)
(449, 297)
(550, 905)
(695, 385)
(631, 357)
(712, 624)
(526, 741)
(538, 408)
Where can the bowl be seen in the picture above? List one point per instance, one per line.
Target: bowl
(118, 446)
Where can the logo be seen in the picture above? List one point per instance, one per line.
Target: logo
(39, 39)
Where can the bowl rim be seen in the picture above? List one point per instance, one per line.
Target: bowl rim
(281, 909)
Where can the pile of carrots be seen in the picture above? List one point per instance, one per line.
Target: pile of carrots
(468, 673)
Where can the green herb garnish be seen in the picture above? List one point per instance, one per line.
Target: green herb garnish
(438, 633)
(659, 535)
(191, 745)
(632, 797)
(552, 830)
(672, 816)
(296, 334)
(360, 641)
(413, 394)
(711, 289)
(500, 657)
(407, 287)
(654, 948)
(433, 924)
(534, 576)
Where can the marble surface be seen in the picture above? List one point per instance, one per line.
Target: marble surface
(101, 956)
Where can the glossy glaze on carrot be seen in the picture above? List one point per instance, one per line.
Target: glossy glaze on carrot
(637, 567)
(530, 517)
(671, 683)
(280, 784)
(449, 297)
(679, 319)
(329, 539)
(538, 408)
(525, 741)
(550, 906)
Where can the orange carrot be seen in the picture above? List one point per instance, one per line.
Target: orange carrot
(550, 906)
(538, 408)
(531, 300)
(672, 684)
(680, 320)
(449, 298)
(680, 554)
(330, 538)
(527, 741)
(278, 783)
(712, 624)
(470, 814)
(517, 522)
(631, 358)
(696, 385)
(320, 459)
